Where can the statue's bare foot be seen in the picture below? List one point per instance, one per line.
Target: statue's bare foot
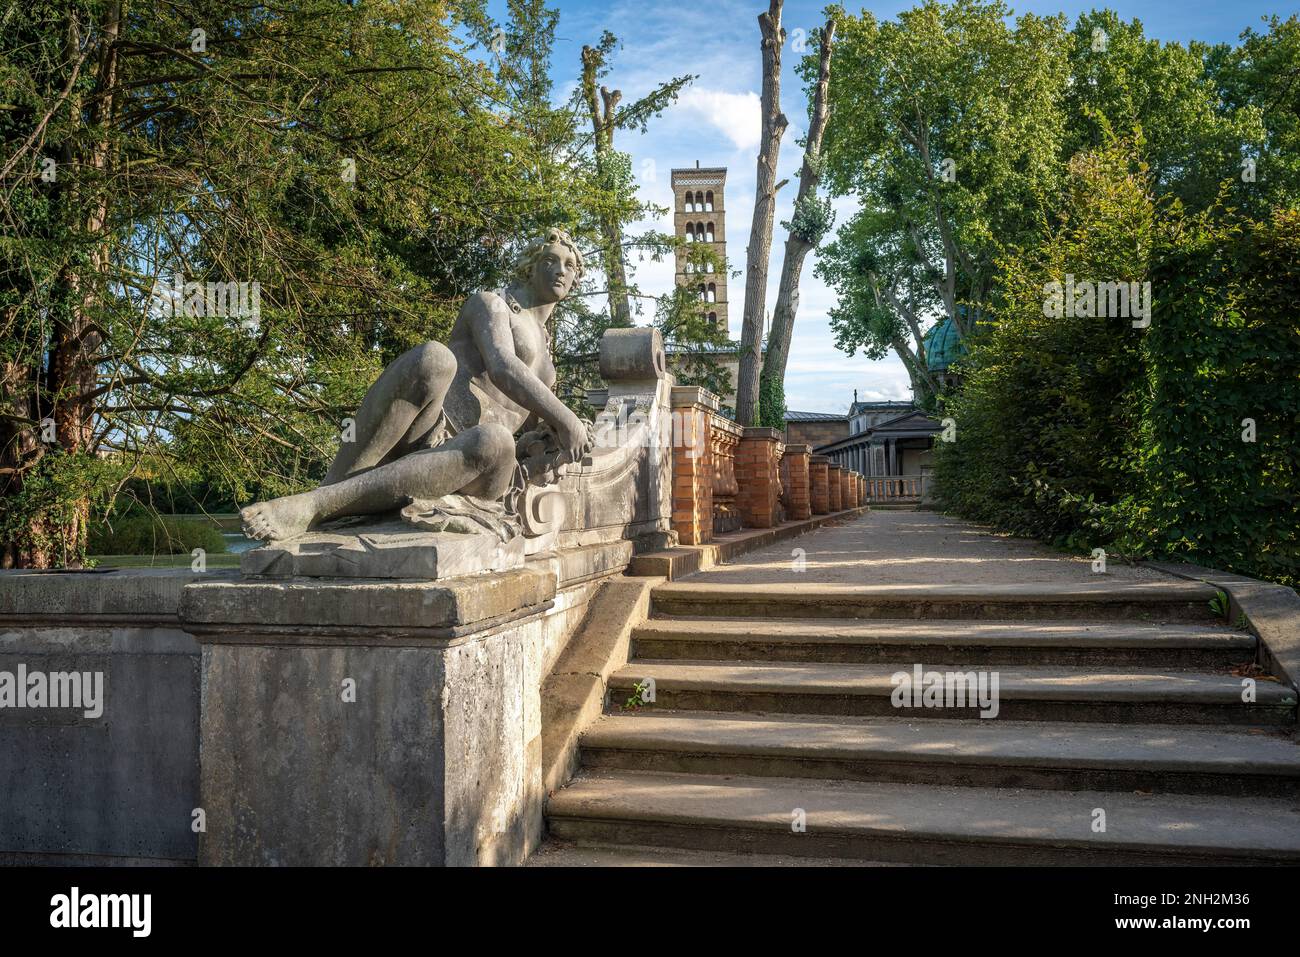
(279, 518)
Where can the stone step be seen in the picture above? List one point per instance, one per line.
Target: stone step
(1063, 756)
(907, 823)
(1026, 693)
(1181, 645)
(560, 854)
(1133, 601)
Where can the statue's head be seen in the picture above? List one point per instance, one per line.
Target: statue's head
(550, 266)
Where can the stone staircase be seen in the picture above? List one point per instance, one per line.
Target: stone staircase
(1119, 703)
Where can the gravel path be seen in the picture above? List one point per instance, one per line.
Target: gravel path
(904, 547)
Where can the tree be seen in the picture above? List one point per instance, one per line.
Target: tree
(811, 220)
(760, 232)
(946, 124)
(365, 165)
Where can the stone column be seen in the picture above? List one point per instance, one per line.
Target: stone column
(350, 722)
(758, 474)
(846, 488)
(836, 488)
(795, 473)
(693, 410)
(819, 482)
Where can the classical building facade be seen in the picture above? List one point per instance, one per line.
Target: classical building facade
(700, 216)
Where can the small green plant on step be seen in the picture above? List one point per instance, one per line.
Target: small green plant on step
(637, 700)
(1219, 604)
(1243, 622)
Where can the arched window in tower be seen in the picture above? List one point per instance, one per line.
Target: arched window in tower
(699, 202)
(708, 267)
(708, 233)
(708, 201)
(713, 293)
(704, 295)
(689, 205)
(690, 232)
(690, 266)
(713, 318)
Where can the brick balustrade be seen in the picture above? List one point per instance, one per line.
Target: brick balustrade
(758, 474)
(796, 481)
(724, 442)
(726, 477)
(819, 480)
(694, 410)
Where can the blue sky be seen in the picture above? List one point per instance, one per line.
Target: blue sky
(717, 122)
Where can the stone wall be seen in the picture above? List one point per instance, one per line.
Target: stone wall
(119, 787)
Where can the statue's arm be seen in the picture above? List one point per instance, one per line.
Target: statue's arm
(490, 326)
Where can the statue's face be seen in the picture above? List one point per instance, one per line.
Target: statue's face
(555, 273)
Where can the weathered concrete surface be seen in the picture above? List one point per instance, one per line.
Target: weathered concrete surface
(1171, 600)
(437, 760)
(328, 607)
(1272, 610)
(1060, 755)
(574, 691)
(933, 825)
(559, 854)
(136, 593)
(681, 560)
(907, 547)
(385, 549)
(120, 788)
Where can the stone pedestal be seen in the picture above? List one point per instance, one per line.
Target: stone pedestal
(758, 468)
(795, 480)
(835, 484)
(365, 723)
(819, 480)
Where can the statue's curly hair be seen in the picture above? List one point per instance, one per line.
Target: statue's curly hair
(528, 259)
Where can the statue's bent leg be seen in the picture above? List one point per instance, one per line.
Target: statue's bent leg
(479, 461)
(405, 399)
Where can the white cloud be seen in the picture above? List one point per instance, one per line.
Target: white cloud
(737, 115)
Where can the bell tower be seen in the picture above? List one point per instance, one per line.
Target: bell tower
(699, 216)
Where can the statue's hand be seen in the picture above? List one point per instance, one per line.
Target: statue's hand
(574, 437)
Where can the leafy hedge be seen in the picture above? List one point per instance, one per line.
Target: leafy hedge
(1087, 432)
(154, 535)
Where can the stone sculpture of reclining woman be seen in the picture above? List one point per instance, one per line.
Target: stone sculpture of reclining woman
(442, 419)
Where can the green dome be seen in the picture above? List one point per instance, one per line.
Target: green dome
(943, 346)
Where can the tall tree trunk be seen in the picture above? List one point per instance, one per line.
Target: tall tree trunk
(602, 124)
(797, 246)
(75, 341)
(760, 232)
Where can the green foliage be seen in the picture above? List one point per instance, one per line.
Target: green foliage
(1219, 604)
(1048, 403)
(946, 124)
(771, 404)
(368, 165)
(46, 514)
(1087, 432)
(1223, 348)
(154, 535)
